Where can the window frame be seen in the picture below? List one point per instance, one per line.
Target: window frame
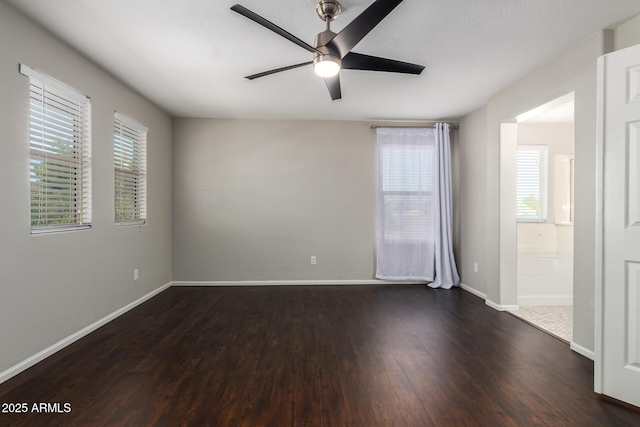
(543, 183)
(137, 174)
(59, 121)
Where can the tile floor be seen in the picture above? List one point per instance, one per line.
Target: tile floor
(556, 319)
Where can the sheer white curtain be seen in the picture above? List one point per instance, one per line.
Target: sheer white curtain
(445, 264)
(405, 249)
(414, 179)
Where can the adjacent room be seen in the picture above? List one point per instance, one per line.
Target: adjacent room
(320, 213)
(545, 211)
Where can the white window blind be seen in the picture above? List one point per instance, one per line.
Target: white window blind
(130, 162)
(407, 180)
(60, 155)
(531, 183)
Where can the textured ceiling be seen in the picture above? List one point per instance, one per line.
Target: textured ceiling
(190, 56)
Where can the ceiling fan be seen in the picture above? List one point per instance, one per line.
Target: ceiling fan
(331, 51)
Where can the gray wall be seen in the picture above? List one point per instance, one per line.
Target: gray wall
(253, 200)
(628, 34)
(53, 285)
(471, 151)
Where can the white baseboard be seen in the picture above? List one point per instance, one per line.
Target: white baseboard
(27, 363)
(500, 307)
(487, 301)
(295, 283)
(545, 300)
(582, 351)
(473, 291)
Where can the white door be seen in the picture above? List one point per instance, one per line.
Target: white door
(620, 296)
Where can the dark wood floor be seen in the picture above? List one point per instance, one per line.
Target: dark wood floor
(318, 356)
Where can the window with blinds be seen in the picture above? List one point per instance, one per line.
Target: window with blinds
(130, 162)
(60, 155)
(407, 181)
(531, 192)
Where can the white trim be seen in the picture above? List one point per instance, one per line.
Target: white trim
(501, 307)
(582, 351)
(129, 121)
(57, 229)
(473, 291)
(50, 81)
(128, 223)
(29, 362)
(295, 283)
(599, 243)
(545, 300)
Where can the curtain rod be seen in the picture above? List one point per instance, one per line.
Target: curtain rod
(453, 127)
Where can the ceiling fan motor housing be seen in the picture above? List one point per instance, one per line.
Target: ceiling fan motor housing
(327, 54)
(328, 9)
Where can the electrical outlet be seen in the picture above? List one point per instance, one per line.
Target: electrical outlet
(313, 260)
(135, 274)
(475, 267)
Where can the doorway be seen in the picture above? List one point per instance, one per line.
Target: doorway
(544, 189)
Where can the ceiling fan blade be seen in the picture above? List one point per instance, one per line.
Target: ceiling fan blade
(358, 61)
(277, 70)
(360, 27)
(333, 84)
(273, 27)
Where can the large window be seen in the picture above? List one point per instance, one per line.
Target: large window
(129, 150)
(406, 176)
(531, 183)
(60, 155)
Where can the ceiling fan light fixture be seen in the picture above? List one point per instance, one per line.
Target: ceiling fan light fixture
(327, 65)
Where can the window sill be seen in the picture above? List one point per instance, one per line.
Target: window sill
(47, 230)
(128, 223)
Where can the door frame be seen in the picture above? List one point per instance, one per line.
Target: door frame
(599, 242)
(508, 224)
